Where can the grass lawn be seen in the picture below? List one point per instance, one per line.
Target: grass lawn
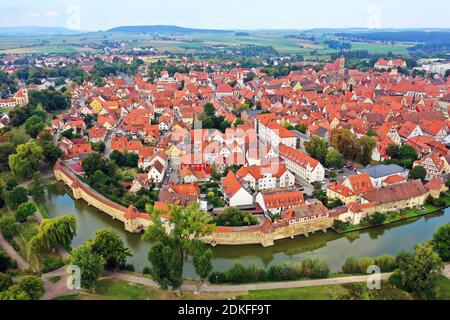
(310, 293)
(42, 210)
(113, 289)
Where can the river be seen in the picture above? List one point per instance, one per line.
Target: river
(331, 247)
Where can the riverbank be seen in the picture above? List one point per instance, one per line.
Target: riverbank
(399, 217)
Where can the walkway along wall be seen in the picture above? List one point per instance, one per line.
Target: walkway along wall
(134, 221)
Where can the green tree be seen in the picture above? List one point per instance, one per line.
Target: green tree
(36, 188)
(188, 226)
(108, 244)
(26, 161)
(441, 242)
(367, 145)
(418, 172)
(119, 158)
(407, 152)
(393, 151)
(131, 159)
(51, 153)
(351, 265)
(202, 263)
(54, 233)
(16, 197)
(233, 217)
(418, 272)
(334, 159)
(6, 149)
(365, 263)
(209, 109)
(19, 136)
(92, 265)
(24, 211)
(8, 227)
(376, 219)
(34, 125)
(33, 286)
(166, 260)
(317, 148)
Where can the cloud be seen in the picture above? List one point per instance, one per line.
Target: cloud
(34, 14)
(51, 13)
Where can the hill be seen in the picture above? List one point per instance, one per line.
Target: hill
(165, 29)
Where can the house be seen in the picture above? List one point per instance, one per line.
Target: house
(397, 197)
(179, 194)
(303, 166)
(271, 176)
(433, 164)
(140, 182)
(271, 132)
(276, 202)
(306, 214)
(156, 172)
(224, 90)
(350, 190)
(235, 194)
(381, 172)
(383, 64)
(409, 130)
(97, 134)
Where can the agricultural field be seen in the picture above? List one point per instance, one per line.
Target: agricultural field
(185, 44)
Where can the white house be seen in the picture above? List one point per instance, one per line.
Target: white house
(235, 194)
(271, 176)
(302, 165)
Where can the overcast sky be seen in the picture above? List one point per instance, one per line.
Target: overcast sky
(227, 14)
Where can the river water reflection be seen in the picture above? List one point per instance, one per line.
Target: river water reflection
(331, 247)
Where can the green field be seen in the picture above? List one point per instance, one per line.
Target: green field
(184, 44)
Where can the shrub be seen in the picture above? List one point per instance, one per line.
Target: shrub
(376, 219)
(51, 264)
(129, 267)
(24, 211)
(5, 261)
(217, 277)
(8, 228)
(238, 274)
(5, 282)
(315, 269)
(16, 197)
(351, 265)
(386, 263)
(146, 270)
(365, 263)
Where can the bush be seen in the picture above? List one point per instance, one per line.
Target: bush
(147, 270)
(395, 279)
(51, 264)
(351, 265)
(365, 263)
(11, 183)
(315, 269)
(238, 274)
(5, 261)
(386, 263)
(8, 227)
(129, 267)
(217, 277)
(16, 197)
(5, 282)
(376, 219)
(24, 211)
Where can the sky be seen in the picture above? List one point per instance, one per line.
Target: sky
(93, 15)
